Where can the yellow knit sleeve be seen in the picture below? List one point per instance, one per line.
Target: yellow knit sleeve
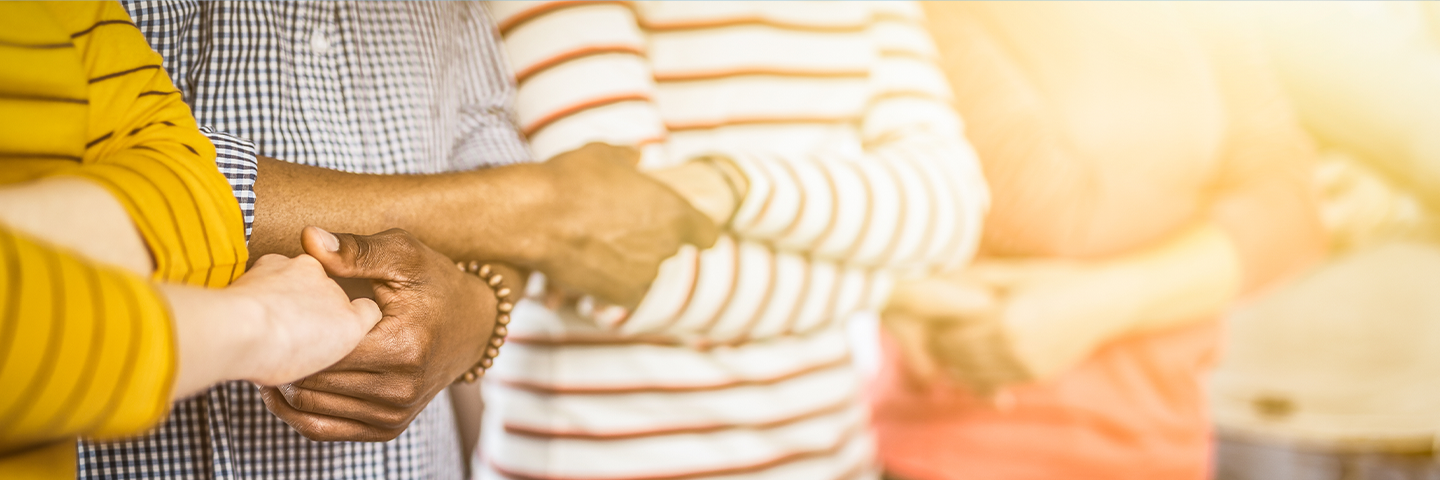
(144, 146)
(84, 349)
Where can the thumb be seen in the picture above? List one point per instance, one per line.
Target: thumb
(368, 311)
(347, 255)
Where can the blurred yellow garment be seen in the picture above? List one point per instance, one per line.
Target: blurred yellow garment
(86, 350)
(1105, 128)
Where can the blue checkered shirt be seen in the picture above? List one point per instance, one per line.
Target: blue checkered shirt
(372, 87)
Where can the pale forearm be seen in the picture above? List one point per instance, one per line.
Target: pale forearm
(1189, 278)
(214, 331)
(467, 215)
(281, 321)
(72, 213)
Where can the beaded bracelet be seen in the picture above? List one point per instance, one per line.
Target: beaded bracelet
(503, 306)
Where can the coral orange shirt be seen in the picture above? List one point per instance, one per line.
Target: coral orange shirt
(1104, 128)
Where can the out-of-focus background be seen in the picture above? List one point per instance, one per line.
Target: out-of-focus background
(1094, 121)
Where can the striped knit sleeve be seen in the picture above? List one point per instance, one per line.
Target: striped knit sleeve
(820, 234)
(743, 290)
(913, 201)
(84, 349)
(602, 44)
(147, 150)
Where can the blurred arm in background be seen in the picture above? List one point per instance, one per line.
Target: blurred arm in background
(1095, 238)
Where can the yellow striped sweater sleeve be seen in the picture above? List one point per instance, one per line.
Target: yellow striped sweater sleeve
(84, 349)
(139, 141)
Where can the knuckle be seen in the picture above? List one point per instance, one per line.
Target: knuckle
(394, 418)
(385, 435)
(401, 394)
(307, 382)
(270, 258)
(413, 390)
(402, 240)
(391, 396)
(304, 400)
(299, 399)
(364, 248)
(312, 429)
(320, 435)
(406, 391)
(411, 353)
(307, 262)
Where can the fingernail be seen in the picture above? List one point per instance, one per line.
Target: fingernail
(331, 243)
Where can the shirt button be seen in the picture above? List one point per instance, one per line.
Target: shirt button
(319, 42)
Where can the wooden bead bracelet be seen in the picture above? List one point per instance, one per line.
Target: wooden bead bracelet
(503, 306)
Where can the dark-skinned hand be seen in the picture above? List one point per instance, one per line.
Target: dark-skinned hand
(436, 322)
(610, 226)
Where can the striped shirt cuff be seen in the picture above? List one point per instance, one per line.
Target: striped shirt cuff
(236, 159)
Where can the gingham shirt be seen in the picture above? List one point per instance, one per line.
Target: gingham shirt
(362, 87)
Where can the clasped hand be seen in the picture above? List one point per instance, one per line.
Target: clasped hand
(436, 322)
(606, 227)
(1001, 323)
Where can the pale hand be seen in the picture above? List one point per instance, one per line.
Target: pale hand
(311, 324)
(437, 324)
(280, 321)
(1001, 323)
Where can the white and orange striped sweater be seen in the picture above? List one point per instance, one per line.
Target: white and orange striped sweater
(736, 363)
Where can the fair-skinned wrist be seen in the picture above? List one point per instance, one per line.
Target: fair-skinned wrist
(213, 347)
(1122, 286)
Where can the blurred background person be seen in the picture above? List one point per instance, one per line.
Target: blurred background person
(1338, 375)
(818, 134)
(1146, 170)
(100, 186)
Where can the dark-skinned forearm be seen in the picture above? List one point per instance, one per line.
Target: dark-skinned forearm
(475, 215)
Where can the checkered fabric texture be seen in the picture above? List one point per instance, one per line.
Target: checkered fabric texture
(370, 87)
(235, 157)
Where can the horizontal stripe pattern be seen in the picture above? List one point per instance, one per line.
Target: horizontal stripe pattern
(83, 349)
(858, 174)
(88, 350)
